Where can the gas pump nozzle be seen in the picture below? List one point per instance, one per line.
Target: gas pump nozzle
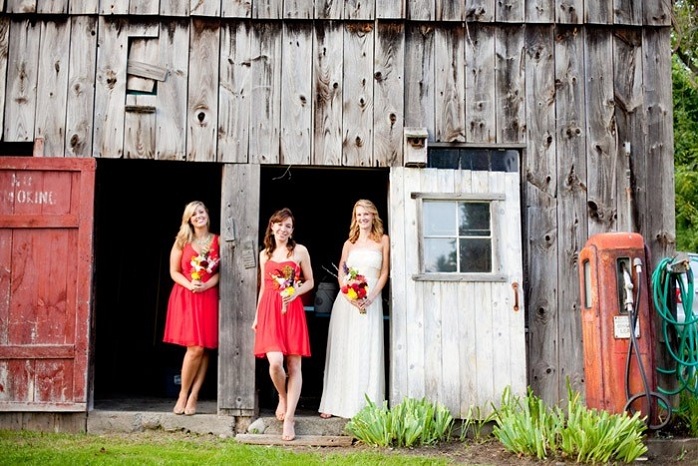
(628, 286)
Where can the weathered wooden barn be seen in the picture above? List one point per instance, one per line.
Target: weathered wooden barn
(494, 136)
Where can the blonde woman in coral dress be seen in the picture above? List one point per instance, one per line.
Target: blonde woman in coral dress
(192, 309)
(354, 363)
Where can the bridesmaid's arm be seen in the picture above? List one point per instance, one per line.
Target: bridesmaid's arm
(385, 270)
(262, 262)
(307, 269)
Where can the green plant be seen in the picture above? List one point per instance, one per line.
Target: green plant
(474, 423)
(687, 413)
(526, 426)
(412, 422)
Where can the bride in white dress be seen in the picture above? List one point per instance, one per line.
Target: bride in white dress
(354, 361)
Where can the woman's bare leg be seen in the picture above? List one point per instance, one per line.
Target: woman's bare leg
(295, 382)
(190, 367)
(196, 386)
(278, 378)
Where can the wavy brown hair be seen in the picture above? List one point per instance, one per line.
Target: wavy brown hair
(376, 226)
(269, 241)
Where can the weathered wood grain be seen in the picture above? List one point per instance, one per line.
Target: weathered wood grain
(236, 9)
(298, 9)
(173, 55)
(510, 81)
(421, 10)
(547, 11)
(540, 215)
(110, 88)
(81, 91)
(52, 86)
(448, 10)
(602, 147)
(265, 123)
(329, 9)
(359, 9)
(140, 123)
(598, 12)
(207, 8)
(571, 200)
(511, 11)
(419, 78)
(175, 7)
(22, 76)
(480, 84)
(84, 7)
(449, 80)
(390, 9)
(267, 9)
(114, 7)
(21, 6)
(357, 119)
(52, 7)
(235, 92)
(328, 96)
(628, 11)
(480, 11)
(389, 112)
(4, 46)
(202, 107)
(143, 7)
(296, 94)
(238, 289)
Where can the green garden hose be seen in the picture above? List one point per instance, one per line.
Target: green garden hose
(680, 337)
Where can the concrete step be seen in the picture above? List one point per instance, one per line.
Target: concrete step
(138, 415)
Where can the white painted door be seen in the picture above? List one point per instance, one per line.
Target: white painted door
(457, 311)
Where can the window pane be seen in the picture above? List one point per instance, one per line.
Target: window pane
(439, 218)
(505, 161)
(475, 255)
(440, 255)
(443, 158)
(474, 219)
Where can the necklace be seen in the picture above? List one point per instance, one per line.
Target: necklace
(203, 242)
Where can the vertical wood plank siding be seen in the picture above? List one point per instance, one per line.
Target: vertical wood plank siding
(331, 83)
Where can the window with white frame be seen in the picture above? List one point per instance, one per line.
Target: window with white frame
(457, 236)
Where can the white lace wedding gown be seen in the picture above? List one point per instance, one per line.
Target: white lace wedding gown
(354, 362)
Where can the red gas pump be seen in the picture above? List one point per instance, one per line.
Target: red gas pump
(618, 363)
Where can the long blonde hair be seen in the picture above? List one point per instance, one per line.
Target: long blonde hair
(376, 225)
(186, 229)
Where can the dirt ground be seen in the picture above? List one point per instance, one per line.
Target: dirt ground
(489, 452)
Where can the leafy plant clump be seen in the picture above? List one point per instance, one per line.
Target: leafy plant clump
(411, 423)
(526, 426)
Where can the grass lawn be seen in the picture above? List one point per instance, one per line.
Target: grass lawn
(165, 448)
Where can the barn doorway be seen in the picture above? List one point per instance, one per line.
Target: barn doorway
(138, 210)
(321, 200)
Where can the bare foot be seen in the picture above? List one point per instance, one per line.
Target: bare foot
(325, 415)
(289, 431)
(181, 402)
(190, 410)
(281, 409)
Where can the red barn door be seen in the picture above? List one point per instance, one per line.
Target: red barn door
(46, 218)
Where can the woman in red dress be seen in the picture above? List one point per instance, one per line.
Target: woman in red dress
(192, 310)
(279, 323)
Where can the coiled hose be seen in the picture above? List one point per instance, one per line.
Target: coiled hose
(680, 337)
(647, 394)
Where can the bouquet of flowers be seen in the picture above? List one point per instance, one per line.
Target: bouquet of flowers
(286, 280)
(355, 286)
(205, 262)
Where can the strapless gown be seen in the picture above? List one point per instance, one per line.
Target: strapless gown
(355, 363)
